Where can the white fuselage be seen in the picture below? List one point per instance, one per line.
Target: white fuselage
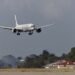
(25, 27)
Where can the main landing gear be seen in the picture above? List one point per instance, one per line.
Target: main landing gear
(30, 33)
(18, 33)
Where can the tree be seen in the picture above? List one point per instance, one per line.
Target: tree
(64, 56)
(20, 64)
(71, 54)
(38, 61)
(19, 58)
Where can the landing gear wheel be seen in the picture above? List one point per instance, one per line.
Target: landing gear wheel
(38, 30)
(18, 33)
(30, 33)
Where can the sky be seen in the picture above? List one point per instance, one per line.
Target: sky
(57, 39)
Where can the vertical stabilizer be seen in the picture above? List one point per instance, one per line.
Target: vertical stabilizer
(16, 20)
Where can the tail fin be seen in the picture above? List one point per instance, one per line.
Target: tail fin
(16, 20)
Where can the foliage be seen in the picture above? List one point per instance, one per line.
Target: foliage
(38, 61)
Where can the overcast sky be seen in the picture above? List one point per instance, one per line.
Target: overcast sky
(57, 39)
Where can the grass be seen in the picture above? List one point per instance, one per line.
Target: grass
(38, 70)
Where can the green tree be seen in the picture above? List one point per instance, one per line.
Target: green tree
(71, 54)
(38, 61)
(20, 64)
(64, 56)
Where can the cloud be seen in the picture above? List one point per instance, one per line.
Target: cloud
(46, 8)
(38, 12)
(53, 8)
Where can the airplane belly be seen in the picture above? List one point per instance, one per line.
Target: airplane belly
(27, 29)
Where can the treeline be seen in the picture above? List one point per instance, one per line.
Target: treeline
(70, 56)
(39, 61)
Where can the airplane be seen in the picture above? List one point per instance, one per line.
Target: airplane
(30, 28)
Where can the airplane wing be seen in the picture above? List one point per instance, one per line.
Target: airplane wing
(10, 28)
(46, 26)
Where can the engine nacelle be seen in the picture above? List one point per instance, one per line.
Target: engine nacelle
(38, 30)
(14, 30)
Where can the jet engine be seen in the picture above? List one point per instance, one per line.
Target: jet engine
(38, 30)
(14, 30)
